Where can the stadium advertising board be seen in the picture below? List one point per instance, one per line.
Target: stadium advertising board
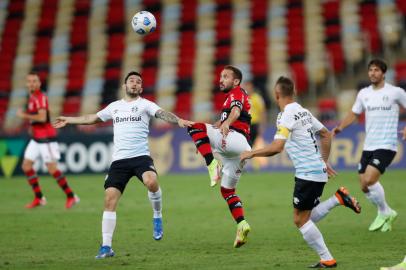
(174, 152)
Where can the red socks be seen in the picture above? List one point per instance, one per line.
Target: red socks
(32, 178)
(234, 203)
(198, 132)
(61, 179)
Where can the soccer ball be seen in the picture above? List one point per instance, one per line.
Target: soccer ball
(143, 23)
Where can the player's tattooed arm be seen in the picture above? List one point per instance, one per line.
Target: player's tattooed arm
(167, 116)
(173, 119)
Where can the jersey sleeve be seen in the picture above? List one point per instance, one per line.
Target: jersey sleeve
(402, 97)
(105, 114)
(152, 108)
(42, 102)
(236, 99)
(284, 126)
(358, 108)
(316, 124)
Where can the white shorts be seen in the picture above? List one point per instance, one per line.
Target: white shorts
(49, 151)
(229, 150)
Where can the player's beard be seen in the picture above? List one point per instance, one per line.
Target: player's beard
(132, 94)
(376, 81)
(226, 89)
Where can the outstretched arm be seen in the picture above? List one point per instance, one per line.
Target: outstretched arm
(172, 118)
(272, 149)
(88, 119)
(348, 120)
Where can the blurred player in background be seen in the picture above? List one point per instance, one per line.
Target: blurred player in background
(296, 130)
(380, 101)
(131, 157)
(228, 138)
(258, 122)
(42, 145)
(257, 112)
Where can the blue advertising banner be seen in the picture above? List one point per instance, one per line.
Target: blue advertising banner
(174, 152)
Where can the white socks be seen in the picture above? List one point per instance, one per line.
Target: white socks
(108, 226)
(109, 217)
(376, 195)
(321, 210)
(156, 202)
(314, 239)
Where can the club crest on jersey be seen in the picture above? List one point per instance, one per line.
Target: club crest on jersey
(385, 98)
(115, 111)
(134, 109)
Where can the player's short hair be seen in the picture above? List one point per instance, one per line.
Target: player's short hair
(237, 72)
(379, 63)
(287, 86)
(34, 73)
(130, 74)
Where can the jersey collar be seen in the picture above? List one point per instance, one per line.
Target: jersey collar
(233, 89)
(37, 92)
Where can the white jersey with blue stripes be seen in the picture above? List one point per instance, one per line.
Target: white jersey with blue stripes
(131, 126)
(301, 144)
(381, 115)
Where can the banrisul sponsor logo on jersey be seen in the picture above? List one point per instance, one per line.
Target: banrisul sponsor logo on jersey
(130, 118)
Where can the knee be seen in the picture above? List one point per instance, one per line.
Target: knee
(151, 183)
(297, 222)
(365, 182)
(152, 186)
(26, 166)
(364, 187)
(52, 169)
(110, 202)
(300, 219)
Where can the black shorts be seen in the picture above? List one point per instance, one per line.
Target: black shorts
(380, 159)
(122, 170)
(307, 194)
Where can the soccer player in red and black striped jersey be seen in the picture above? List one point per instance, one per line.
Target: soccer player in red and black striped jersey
(42, 144)
(228, 138)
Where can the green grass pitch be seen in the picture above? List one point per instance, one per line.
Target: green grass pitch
(199, 230)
